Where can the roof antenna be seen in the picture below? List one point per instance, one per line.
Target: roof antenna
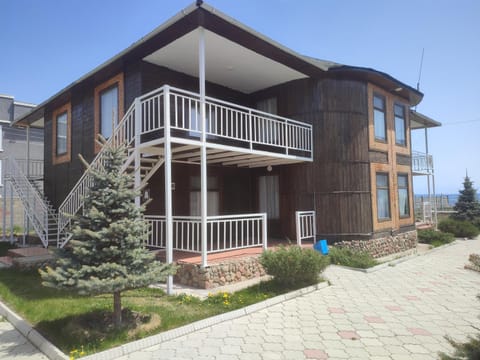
(420, 73)
(420, 70)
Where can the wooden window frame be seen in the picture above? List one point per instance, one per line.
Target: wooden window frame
(406, 171)
(66, 157)
(385, 117)
(388, 188)
(390, 145)
(118, 81)
(405, 135)
(407, 187)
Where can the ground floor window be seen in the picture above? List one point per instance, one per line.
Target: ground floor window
(383, 198)
(403, 203)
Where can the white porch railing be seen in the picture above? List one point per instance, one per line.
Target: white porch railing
(226, 123)
(226, 232)
(422, 163)
(305, 224)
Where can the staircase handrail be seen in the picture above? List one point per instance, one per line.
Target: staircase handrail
(33, 202)
(123, 134)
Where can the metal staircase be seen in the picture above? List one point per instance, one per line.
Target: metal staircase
(40, 213)
(136, 162)
(52, 227)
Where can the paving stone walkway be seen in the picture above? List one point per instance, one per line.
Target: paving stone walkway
(14, 345)
(399, 312)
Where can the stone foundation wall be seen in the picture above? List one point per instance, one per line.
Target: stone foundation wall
(224, 273)
(384, 246)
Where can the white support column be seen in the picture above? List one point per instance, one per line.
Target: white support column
(4, 213)
(435, 218)
(11, 213)
(264, 231)
(297, 227)
(168, 187)
(203, 155)
(138, 130)
(27, 220)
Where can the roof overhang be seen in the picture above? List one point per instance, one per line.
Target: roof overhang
(420, 121)
(227, 63)
(382, 79)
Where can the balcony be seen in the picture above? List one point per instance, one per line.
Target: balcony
(422, 164)
(235, 135)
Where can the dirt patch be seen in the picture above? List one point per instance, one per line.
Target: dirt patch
(97, 326)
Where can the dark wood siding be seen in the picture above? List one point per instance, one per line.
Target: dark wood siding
(337, 183)
(236, 187)
(404, 159)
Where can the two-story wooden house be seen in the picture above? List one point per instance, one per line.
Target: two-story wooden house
(233, 134)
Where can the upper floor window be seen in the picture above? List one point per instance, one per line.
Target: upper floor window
(61, 134)
(400, 128)
(379, 120)
(403, 203)
(108, 99)
(108, 110)
(383, 197)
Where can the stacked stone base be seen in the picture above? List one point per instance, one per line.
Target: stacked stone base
(384, 246)
(219, 274)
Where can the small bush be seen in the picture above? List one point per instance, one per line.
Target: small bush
(476, 222)
(474, 262)
(293, 266)
(435, 238)
(348, 257)
(458, 228)
(469, 350)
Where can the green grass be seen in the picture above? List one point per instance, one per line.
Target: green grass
(71, 321)
(351, 258)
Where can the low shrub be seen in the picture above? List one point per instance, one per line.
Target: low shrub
(434, 238)
(293, 266)
(469, 350)
(476, 222)
(352, 258)
(474, 262)
(458, 228)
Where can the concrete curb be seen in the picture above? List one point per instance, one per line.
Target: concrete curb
(137, 345)
(45, 346)
(396, 261)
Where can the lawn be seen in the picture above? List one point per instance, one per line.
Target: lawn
(71, 321)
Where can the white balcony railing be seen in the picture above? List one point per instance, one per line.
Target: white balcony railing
(422, 163)
(226, 232)
(225, 122)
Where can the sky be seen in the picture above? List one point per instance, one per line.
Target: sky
(46, 45)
